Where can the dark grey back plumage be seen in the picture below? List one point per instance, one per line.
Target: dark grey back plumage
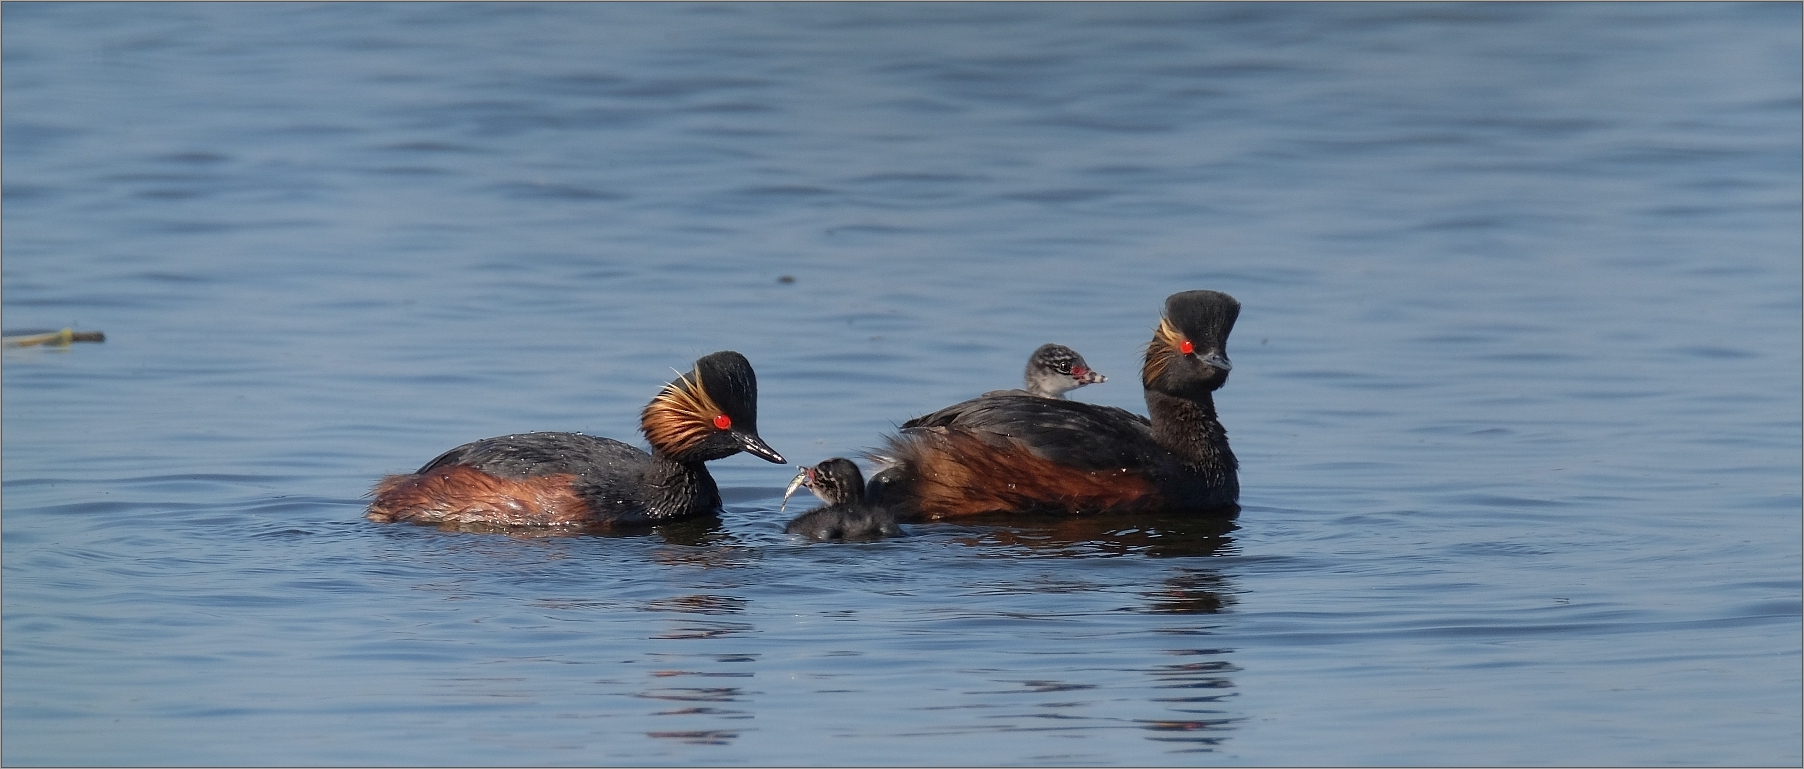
(531, 454)
(1083, 435)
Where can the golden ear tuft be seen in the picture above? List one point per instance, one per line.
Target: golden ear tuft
(680, 417)
(1166, 346)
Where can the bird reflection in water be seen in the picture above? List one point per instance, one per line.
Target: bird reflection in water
(692, 532)
(1197, 685)
(683, 698)
(702, 737)
(700, 604)
(704, 701)
(1201, 683)
(1172, 536)
(1191, 591)
(719, 550)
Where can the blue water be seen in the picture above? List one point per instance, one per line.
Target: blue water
(1516, 390)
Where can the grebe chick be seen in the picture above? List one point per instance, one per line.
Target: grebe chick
(845, 515)
(1019, 453)
(550, 479)
(1052, 371)
(1055, 369)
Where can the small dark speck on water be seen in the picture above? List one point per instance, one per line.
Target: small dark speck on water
(786, 279)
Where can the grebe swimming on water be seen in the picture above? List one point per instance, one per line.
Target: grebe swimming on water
(549, 479)
(1022, 453)
(845, 515)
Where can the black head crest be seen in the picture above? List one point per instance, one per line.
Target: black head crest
(1205, 317)
(728, 379)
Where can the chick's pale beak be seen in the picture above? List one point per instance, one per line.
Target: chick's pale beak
(756, 447)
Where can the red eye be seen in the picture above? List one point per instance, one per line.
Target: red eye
(1079, 371)
(723, 421)
(1186, 347)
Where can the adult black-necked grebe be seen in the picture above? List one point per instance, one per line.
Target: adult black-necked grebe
(845, 515)
(1052, 371)
(1019, 453)
(550, 479)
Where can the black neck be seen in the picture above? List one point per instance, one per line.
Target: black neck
(1188, 428)
(679, 489)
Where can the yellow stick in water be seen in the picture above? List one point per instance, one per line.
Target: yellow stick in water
(61, 338)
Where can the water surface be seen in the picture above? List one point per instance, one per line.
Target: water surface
(1516, 386)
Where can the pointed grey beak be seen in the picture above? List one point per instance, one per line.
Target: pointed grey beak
(756, 447)
(1217, 360)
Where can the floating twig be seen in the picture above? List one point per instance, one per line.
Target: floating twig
(62, 338)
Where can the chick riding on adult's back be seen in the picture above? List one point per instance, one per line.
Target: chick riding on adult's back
(1021, 453)
(1052, 371)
